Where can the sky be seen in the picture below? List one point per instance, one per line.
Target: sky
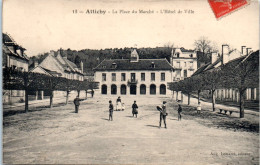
(44, 25)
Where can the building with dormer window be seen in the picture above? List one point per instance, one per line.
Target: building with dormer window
(184, 63)
(134, 76)
(13, 56)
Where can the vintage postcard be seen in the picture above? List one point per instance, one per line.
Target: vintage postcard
(130, 82)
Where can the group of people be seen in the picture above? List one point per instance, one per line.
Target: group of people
(162, 109)
(120, 106)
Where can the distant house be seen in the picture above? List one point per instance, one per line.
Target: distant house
(184, 63)
(229, 56)
(134, 76)
(13, 56)
(59, 66)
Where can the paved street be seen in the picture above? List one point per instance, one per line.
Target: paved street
(60, 136)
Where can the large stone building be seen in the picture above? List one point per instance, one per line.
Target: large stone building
(184, 63)
(134, 76)
(13, 56)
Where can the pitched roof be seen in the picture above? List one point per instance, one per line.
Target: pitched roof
(125, 64)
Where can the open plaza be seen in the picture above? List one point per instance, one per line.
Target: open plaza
(61, 136)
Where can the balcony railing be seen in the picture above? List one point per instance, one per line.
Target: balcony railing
(132, 82)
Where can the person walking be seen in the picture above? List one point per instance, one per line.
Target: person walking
(198, 108)
(179, 112)
(77, 103)
(134, 109)
(111, 109)
(163, 114)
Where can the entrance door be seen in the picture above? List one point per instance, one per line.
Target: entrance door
(133, 89)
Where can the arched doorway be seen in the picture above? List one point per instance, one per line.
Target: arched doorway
(152, 89)
(123, 89)
(132, 89)
(104, 89)
(142, 89)
(113, 89)
(163, 89)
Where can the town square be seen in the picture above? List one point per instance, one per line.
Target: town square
(130, 82)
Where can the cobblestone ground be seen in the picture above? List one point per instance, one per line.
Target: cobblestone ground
(59, 136)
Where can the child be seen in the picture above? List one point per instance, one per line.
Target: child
(198, 108)
(179, 112)
(123, 106)
(111, 109)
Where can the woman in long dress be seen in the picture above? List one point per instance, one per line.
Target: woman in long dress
(118, 104)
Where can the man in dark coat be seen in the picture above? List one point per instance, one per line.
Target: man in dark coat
(77, 103)
(111, 109)
(163, 114)
(134, 109)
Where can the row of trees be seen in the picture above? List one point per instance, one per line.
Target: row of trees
(14, 79)
(239, 74)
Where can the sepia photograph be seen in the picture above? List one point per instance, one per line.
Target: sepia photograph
(130, 82)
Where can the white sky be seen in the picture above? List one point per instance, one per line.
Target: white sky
(44, 25)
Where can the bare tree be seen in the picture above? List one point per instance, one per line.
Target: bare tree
(203, 44)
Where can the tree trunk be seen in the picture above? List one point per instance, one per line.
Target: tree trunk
(67, 97)
(213, 99)
(177, 92)
(86, 94)
(188, 98)
(51, 99)
(181, 97)
(241, 102)
(26, 101)
(198, 96)
(78, 92)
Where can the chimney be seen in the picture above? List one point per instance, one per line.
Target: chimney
(214, 57)
(81, 66)
(248, 51)
(52, 53)
(36, 63)
(243, 50)
(225, 54)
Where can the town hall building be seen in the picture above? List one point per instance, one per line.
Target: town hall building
(134, 76)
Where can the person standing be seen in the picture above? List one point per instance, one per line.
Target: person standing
(77, 103)
(198, 108)
(111, 109)
(118, 104)
(134, 109)
(179, 112)
(163, 114)
(92, 93)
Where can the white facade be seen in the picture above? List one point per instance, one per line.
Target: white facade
(184, 62)
(154, 83)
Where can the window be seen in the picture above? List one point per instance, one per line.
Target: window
(114, 65)
(178, 73)
(113, 77)
(142, 76)
(122, 76)
(178, 55)
(178, 65)
(152, 76)
(132, 77)
(152, 65)
(191, 55)
(162, 76)
(104, 77)
(185, 73)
